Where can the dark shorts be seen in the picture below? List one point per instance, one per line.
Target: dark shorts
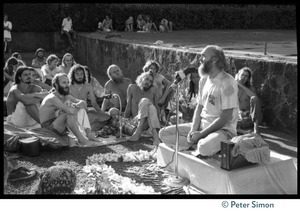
(49, 125)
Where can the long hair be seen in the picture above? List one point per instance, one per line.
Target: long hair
(16, 55)
(19, 72)
(73, 69)
(149, 63)
(63, 62)
(10, 63)
(88, 74)
(51, 58)
(249, 71)
(143, 75)
(219, 54)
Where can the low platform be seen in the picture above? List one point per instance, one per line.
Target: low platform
(278, 177)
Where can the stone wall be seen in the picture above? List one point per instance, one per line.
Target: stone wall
(275, 81)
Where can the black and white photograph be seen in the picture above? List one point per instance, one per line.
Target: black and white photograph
(150, 100)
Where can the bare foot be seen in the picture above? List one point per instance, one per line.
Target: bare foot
(84, 141)
(92, 137)
(136, 136)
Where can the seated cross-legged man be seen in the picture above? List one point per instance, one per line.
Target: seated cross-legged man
(117, 84)
(23, 99)
(216, 113)
(250, 113)
(59, 110)
(80, 89)
(142, 106)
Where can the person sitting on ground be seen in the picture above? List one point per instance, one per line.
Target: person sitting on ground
(162, 84)
(18, 56)
(250, 113)
(142, 106)
(23, 99)
(165, 26)
(36, 81)
(148, 24)
(67, 62)
(117, 84)
(39, 61)
(50, 69)
(99, 91)
(9, 70)
(67, 29)
(57, 180)
(216, 114)
(129, 24)
(80, 89)
(140, 22)
(59, 110)
(106, 25)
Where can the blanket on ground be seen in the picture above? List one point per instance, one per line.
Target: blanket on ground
(49, 139)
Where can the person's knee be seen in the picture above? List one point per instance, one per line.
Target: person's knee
(144, 101)
(206, 149)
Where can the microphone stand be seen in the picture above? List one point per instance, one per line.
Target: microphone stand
(175, 180)
(120, 117)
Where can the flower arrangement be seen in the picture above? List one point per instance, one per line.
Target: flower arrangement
(102, 179)
(138, 156)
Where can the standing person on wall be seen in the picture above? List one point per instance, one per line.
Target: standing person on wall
(67, 29)
(7, 27)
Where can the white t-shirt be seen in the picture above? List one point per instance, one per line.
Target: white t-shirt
(218, 94)
(67, 24)
(7, 33)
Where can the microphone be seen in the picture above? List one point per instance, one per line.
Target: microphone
(181, 74)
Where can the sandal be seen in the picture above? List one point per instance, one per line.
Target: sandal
(20, 174)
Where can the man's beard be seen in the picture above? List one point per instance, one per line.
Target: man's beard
(78, 82)
(118, 80)
(205, 68)
(145, 89)
(63, 91)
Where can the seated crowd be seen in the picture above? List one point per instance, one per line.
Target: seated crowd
(144, 23)
(67, 98)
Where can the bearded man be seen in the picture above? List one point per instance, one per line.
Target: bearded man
(39, 61)
(142, 106)
(80, 89)
(23, 99)
(117, 84)
(59, 111)
(216, 114)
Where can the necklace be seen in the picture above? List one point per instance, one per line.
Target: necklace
(78, 87)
